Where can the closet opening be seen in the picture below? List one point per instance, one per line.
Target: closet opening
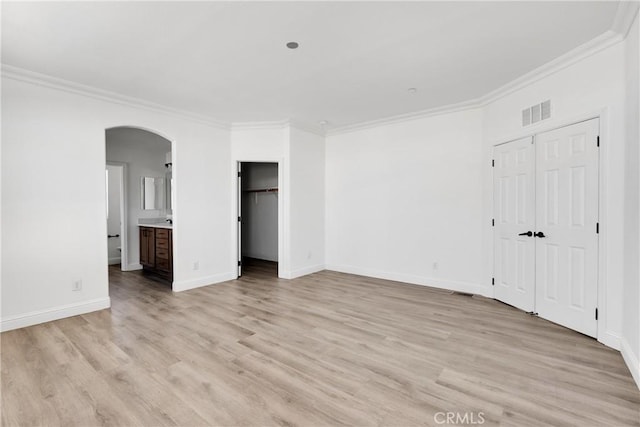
(258, 218)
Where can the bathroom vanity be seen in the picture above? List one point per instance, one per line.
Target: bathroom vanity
(156, 249)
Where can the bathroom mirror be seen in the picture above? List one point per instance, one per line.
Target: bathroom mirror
(152, 193)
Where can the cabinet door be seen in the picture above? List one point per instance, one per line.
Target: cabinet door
(147, 246)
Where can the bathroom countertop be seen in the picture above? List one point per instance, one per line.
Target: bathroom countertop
(157, 225)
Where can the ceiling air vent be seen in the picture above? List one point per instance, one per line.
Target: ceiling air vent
(536, 113)
(546, 109)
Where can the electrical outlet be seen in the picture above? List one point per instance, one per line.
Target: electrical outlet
(435, 266)
(309, 255)
(76, 285)
(196, 265)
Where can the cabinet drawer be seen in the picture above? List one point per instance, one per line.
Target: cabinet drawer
(163, 264)
(162, 243)
(162, 233)
(162, 253)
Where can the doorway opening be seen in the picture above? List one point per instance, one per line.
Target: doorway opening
(258, 218)
(139, 209)
(116, 218)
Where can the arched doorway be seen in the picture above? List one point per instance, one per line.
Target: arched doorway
(139, 201)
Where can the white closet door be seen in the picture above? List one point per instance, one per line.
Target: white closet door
(567, 214)
(514, 208)
(239, 195)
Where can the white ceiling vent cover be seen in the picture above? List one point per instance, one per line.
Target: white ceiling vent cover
(526, 117)
(546, 109)
(536, 113)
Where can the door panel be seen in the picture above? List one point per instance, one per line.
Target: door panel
(567, 213)
(239, 195)
(514, 200)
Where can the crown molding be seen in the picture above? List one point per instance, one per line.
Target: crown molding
(32, 77)
(278, 125)
(437, 111)
(305, 127)
(625, 15)
(260, 125)
(598, 44)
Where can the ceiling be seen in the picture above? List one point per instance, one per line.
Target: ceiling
(355, 63)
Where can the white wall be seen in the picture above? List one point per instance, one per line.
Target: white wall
(144, 153)
(60, 135)
(631, 309)
(260, 211)
(257, 144)
(201, 182)
(113, 219)
(590, 87)
(404, 197)
(307, 203)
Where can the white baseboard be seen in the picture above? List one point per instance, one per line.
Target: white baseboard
(293, 274)
(133, 267)
(610, 339)
(113, 261)
(631, 359)
(54, 313)
(467, 287)
(185, 285)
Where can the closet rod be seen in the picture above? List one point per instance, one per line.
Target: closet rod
(262, 190)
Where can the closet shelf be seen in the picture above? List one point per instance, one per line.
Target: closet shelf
(262, 190)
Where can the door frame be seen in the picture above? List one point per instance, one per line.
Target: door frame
(604, 336)
(236, 245)
(124, 209)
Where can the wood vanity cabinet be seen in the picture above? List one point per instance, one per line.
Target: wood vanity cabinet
(156, 251)
(147, 247)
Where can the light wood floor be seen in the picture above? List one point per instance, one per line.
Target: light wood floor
(323, 350)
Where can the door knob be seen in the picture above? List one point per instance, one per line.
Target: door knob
(528, 233)
(539, 234)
